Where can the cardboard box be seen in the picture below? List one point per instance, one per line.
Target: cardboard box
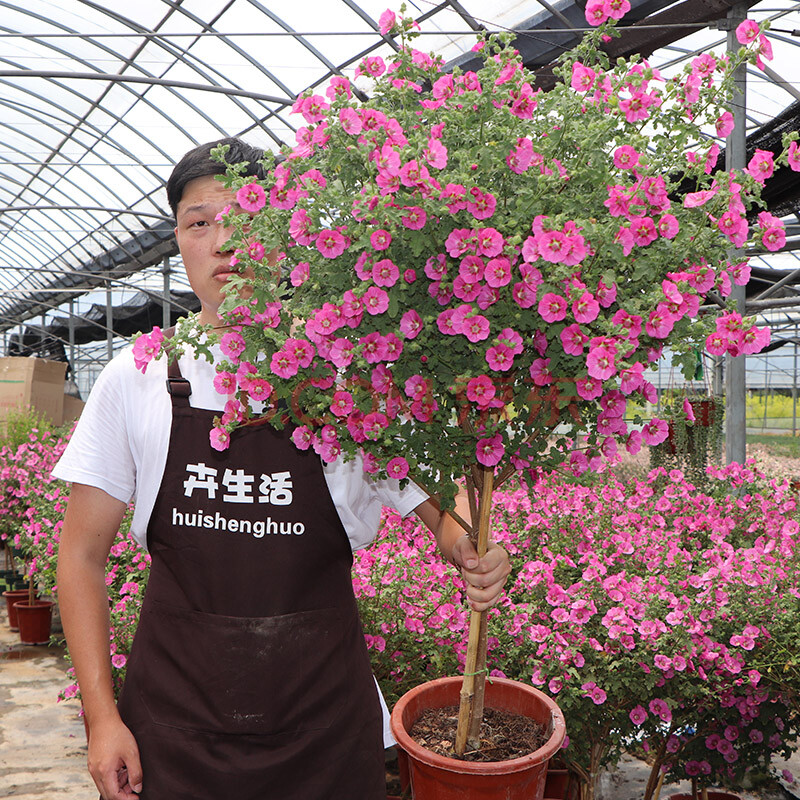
(72, 409)
(32, 383)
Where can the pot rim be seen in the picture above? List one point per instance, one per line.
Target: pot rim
(36, 604)
(422, 754)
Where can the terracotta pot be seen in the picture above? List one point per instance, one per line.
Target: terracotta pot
(34, 621)
(556, 784)
(435, 777)
(12, 598)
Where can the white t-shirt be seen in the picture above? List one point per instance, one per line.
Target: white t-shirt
(120, 446)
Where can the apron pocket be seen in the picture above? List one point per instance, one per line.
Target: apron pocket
(241, 675)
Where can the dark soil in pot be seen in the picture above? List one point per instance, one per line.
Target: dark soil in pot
(504, 735)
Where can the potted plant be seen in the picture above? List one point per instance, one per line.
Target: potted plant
(472, 280)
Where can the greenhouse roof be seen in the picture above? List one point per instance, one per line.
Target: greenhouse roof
(99, 101)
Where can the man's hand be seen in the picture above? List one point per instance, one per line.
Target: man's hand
(114, 761)
(485, 577)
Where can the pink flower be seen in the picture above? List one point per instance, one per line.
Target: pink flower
(414, 218)
(118, 660)
(225, 383)
(436, 154)
(397, 468)
(386, 22)
(490, 450)
(385, 272)
(540, 372)
(696, 199)
(374, 66)
(519, 157)
(552, 307)
(251, 197)
(482, 204)
(747, 32)
(761, 166)
(300, 274)
(594, 692)
(475, 328)
(626, 157)
(638, 715)
(498, 272)
(582, 77)
(338, 87)
(410, 324)
(660, 709)
(653, 433)
(147, 347)
(725, 125)
(219, 438)
(596, 12)
(374, 424)
(589, 388)
(793, 156)
(375, 300)
(380, 239)
(342, 403)
(481, 390)
(585, 309)
(232, 345)
(600, 363)
(283, 364)
(668, 226)
(331, 243)
(259, 389)
(500, 358)
(573, 340)
(373, 347)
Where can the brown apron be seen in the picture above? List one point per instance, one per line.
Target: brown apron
(248, 677)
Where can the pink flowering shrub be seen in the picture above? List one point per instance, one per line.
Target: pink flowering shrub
(657, 616)
(455, 257)
(31, 518)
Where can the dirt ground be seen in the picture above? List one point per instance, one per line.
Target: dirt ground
(42, 742)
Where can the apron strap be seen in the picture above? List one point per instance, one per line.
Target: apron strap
(178, 387)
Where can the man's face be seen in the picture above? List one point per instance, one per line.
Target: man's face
(201, 240)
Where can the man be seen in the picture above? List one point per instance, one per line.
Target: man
(248, 677)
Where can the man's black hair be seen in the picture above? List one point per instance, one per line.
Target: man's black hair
(197, 163)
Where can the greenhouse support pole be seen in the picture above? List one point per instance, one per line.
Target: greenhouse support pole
(71, 326)
(165, 305)
(109, 324)
(794, 383)
(736, 158)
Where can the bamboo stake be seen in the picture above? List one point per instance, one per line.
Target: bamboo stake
(470, 711)
(659, 785)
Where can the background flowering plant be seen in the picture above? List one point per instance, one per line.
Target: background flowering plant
(659, 616)
(31, 518)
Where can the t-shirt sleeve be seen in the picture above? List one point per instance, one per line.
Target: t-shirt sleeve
(359, 499)
(98, 453)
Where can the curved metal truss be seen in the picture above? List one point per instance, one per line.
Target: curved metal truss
(99, 100)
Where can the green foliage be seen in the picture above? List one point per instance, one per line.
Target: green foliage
(22, 424)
